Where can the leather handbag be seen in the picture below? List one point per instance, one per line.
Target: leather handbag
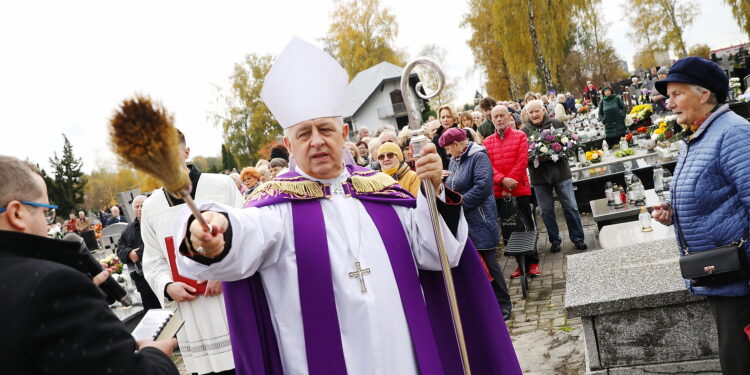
(721, 265)
(511, 220)
(522, 240)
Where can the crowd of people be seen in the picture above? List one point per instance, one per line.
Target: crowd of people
(322, 258)
(484, 156)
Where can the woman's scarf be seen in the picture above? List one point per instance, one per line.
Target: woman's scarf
(398, 171)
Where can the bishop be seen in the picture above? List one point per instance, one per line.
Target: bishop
(293, 302)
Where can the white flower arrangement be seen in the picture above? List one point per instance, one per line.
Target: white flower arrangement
(628, 120)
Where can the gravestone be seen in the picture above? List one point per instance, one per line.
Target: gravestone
(110, 236)
(637, 314)
(125, 201)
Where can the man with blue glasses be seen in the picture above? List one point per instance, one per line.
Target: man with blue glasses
(49, 213)
(56, 320)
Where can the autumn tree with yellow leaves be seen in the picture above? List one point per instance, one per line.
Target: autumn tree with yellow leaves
(247, 124)
(104, 184)
(361, 35)
(741, 12)
(488, 53)
(593, 57)
(661, 24)
(538, 45)
(700, 50)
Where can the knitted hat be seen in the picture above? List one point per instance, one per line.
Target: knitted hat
(452, 135)
(697, 71)
(391, 147)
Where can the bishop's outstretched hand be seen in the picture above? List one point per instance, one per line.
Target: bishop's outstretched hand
(211, 244)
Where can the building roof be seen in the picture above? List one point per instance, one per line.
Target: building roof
(731, 47)
(365, 83)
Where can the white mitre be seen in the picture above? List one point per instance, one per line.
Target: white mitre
(304, 83)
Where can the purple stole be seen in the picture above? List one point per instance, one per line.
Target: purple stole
(430, 323)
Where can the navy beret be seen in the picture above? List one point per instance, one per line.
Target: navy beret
(697, 71)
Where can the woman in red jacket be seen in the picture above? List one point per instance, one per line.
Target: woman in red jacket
(508, 151)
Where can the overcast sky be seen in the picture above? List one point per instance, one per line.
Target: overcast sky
(66, 64)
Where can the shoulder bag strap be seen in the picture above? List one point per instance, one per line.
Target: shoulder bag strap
(680, 236)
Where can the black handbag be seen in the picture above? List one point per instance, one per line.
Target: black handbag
(519, 239)
(721, 265)
(511, 219)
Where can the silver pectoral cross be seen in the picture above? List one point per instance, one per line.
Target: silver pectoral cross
(360, 273)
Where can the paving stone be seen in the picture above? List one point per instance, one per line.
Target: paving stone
(543, 309)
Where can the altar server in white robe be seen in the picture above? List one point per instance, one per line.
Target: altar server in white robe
(204, 339)
(304, 91)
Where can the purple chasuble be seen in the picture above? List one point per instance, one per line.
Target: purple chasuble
(254, 343)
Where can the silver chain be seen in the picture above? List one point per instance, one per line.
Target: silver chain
(342, 234)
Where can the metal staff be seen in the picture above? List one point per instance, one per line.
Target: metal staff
(417, 141)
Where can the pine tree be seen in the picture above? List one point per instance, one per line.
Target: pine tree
(227, 159)
(67, 186)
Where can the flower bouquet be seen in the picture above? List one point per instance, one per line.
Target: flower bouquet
(624, 153)
(549, 145)
(645, 94)
(594, 156)
(641, 115)
(664, 129)
(112, 264)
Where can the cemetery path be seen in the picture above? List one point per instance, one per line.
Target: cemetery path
(546, 341)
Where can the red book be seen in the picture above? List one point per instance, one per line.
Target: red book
(199, 288)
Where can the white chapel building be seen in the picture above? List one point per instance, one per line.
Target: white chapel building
(373, 98)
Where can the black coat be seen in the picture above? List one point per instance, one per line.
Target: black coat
(56, 321)
(131, 239)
